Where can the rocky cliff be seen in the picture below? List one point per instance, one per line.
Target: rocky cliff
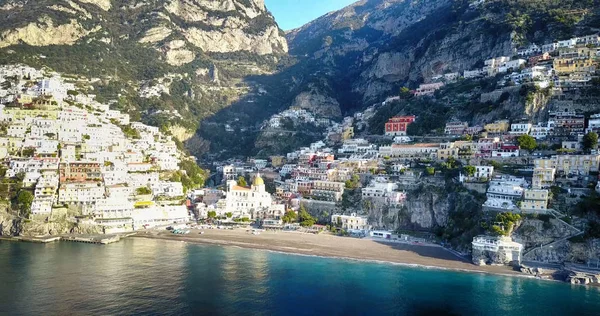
(449, 211)
(365, 52)
(337, 64)
(13, 226)
(130, 45)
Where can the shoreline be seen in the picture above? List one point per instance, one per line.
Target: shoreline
(366, 250)
(402, 254)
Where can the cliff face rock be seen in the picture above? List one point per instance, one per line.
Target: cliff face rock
(485, 257)
(45, 32)
(34, 228)
(14, 226)
(234, 40)
(552, 236)
(222, 26)
(130, 43)
(533, 232)
(103, 4)
(179, 57)
(156, 34)
(9, 225)
(401, 43)
(318, 102)
(428, 209)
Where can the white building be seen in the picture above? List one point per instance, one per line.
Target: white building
(245, 202)
(549, 48)
(543, 177)
(532, 49)
(570, 43)
(167, 189)
(492, 65)
(80, 192)
(540, 131)
(380, 190)
(511, 65)
(484, 172)
(358, 145)
(352, 223)
(594, 124)
(477, 73)
(428, 89)
(535, 201)
(410, 151)
(520, 128)
(287, 169)
(154, 215)
(505, 250)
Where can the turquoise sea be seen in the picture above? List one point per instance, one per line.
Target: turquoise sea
(155, 277)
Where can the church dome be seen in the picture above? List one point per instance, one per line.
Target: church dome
(258, 181)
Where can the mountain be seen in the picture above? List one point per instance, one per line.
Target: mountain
(355, 57)
(222, 67)
(168, 62)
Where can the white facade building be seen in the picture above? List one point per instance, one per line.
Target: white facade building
(351, 223)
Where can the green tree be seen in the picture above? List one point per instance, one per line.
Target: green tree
(143, 191)
(590, 141)
(306, 220)
(527, 142)
(353, 183)
(229, 214)
(289, 217)
(470, 170)
(24, 200)
(212, 215)
(242, 181)
(405, 93)
(430, 171)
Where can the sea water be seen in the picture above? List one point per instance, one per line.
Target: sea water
(157, 277)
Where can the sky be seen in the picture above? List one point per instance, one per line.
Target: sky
(291, 14)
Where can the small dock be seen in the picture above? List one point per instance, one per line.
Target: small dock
(88, 239)
(37, 239)
(95, 239)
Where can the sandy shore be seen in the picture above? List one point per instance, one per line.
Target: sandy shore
(333, 246)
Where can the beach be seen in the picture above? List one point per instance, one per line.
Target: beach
(326, 245)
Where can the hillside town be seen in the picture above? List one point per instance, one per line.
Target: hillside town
(520, 165)
(67, 155)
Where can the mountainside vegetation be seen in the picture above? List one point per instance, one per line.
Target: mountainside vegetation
(366, 52)
(117, 49)
(221, 67)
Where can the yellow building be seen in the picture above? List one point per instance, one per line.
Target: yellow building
(46, 103)
(466, 149)
(497, 127)
(568, 65)
(446, 151)
(348, 132)
(277, 161)
(3, 147)
(570, 164)
(18, 114)
(25, 98)
(543, 177)
(457, 150)
(577, 164)
(545, 163)
(14, 144)
(535, 200)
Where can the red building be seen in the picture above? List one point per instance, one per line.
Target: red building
(80, 172)
(397, 125)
